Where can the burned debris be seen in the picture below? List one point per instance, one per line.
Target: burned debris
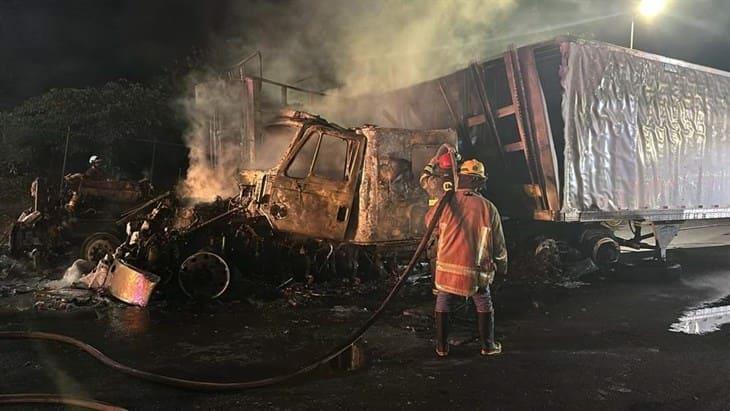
(339, 202)
(82, 218)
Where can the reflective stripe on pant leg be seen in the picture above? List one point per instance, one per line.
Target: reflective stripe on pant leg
(482, 301)
(443, 302)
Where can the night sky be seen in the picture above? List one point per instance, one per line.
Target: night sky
(63, 43)
(75, 43)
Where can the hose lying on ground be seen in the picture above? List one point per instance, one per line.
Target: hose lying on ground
(230, 386)
(12, 399)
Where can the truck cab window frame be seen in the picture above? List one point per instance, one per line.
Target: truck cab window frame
(300, 166)
(323, 155)
(331, 160)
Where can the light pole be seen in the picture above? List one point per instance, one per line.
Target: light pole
(647, 9)
(631, 41)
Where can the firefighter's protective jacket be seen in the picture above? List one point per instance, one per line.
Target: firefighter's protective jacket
(471, 245)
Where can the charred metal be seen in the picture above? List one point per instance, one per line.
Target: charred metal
(81, 218)
(337, 200)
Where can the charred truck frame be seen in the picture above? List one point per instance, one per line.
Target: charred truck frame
(328, 200)
(83, 217)
(337, 199)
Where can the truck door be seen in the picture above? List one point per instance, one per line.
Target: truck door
(313, 192)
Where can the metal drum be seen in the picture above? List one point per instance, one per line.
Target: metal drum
(130, 284)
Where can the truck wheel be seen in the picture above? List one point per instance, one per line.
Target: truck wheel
(204, 275)
(97, 245)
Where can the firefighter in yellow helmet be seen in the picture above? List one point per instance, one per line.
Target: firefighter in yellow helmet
(470, 251)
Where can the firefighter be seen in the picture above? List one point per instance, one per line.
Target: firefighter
(74, 181)
(470, 251)
(436, 179)
(437, 175)
(95, 170)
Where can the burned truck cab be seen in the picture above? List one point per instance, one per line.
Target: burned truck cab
(356, 186)
(312, 190)
(336, 202)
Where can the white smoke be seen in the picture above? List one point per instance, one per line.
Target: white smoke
(350, 47)
(213, 159)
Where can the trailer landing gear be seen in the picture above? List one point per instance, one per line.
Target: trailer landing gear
(657, 268)
(664, 233)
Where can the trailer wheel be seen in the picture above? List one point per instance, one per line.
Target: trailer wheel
(204, 275)
(97, 245)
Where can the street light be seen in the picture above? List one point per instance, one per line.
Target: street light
(650, 8)
(647, 9)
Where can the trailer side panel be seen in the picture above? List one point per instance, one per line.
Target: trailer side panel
(645, 136)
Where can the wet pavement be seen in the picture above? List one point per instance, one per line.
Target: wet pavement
(606, 341)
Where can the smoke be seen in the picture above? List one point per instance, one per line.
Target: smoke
(353, 47)
(360, 47)
(213, 159)
(348, 48)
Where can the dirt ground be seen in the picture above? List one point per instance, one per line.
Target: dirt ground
(604, 344)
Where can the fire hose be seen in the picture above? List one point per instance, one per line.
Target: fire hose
(225, 386)
(13, 399)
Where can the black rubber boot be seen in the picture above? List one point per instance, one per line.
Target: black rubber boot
(486, 334)
(442, 334)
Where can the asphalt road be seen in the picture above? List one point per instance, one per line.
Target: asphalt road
(604, 345)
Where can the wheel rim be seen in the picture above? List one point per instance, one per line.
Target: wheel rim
(99, 246)
(204, 275)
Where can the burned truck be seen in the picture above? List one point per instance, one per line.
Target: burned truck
(581, 137)
(337, 199)
(82, 218)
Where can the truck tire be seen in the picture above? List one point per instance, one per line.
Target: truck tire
(97, 245)
(204, 276)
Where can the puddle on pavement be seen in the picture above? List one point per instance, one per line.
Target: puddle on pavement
(129, 321)
(702, 320)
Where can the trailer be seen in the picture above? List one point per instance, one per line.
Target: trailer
(585, 134)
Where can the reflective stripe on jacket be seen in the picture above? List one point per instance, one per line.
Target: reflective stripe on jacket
(471, 244)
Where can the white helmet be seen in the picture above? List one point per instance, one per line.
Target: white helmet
(94, 159)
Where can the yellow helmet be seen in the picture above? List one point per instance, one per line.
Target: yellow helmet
(473, 168)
